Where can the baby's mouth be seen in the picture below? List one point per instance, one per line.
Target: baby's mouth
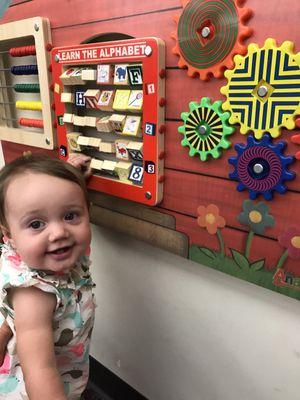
(61, 250)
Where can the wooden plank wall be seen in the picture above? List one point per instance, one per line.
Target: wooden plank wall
(189, 182)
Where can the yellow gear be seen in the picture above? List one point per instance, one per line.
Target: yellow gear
(263, 90)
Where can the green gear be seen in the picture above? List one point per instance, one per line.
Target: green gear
(205, 129)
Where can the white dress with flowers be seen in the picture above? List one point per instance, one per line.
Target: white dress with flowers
(72, 323)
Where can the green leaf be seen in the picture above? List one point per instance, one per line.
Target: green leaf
(209, 253)
(240, 259)
(257, 265)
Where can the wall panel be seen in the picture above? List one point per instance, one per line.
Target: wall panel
(188, 181)
(233, 239)
(184, 192)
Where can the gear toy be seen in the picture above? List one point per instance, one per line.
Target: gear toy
(209, 33)
(205, 129)
(261, 167)
(263, 90)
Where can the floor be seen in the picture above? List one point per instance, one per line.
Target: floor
(94, 393)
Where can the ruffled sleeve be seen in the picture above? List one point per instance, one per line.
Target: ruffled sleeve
(16, 274)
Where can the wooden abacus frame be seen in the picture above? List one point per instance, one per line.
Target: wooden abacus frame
(39, 29)
(150, 52)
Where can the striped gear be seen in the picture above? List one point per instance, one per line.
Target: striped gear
(263, 90)
(205, 129)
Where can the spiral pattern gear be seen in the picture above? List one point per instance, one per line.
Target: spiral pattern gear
(205, 129)
(261, 167)
(263, 90)
(209, 33)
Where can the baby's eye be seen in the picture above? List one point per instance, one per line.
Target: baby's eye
(70, 216)
(36, 225)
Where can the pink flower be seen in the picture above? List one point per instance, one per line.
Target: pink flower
(5, 368)
(209, 218)
(15, 260)
(290, 239)
(78, 349)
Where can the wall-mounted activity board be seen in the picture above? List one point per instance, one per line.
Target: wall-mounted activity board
(25, 111)
(109, 102)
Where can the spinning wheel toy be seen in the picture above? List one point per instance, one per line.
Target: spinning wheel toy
(263, 90)
(209, 33)
(261, 167)
(205, 129)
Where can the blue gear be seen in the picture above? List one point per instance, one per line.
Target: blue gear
(260, 167)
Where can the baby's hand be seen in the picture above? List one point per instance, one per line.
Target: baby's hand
(5, 335)
(82, 162)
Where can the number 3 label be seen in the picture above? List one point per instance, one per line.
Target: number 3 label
(150, 167)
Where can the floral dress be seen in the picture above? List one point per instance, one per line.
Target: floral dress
(72, 323)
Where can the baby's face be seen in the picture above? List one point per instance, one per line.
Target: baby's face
(48, 221)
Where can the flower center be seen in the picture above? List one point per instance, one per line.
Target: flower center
(255, 217)
(296, 242)
(210, 218)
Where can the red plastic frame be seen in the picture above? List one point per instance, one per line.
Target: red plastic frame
(150, 53)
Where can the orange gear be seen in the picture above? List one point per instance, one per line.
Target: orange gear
(209, 33)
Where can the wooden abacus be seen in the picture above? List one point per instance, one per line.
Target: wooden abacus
(109, 102)
(25, 111)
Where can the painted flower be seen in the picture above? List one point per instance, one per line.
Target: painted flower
(256, 216)
(209, 218)
(290, 239)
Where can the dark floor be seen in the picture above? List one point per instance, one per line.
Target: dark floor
(105, 385)
(92, 392)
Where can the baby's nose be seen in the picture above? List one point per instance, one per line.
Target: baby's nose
(58, 231)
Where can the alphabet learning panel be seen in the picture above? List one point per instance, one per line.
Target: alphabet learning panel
(109, 104)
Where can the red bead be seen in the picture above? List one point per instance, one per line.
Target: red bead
(162, 102)
(295, 139)
(162, 128)
(162, 73)
(161, 155)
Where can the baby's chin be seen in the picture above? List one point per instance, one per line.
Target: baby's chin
(53, 269)
(56, 266)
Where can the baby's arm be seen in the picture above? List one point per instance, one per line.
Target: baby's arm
(35, 346)
(5, 335)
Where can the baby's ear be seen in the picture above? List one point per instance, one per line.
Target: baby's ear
(6, 235)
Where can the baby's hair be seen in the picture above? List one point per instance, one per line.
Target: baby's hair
(38, 163)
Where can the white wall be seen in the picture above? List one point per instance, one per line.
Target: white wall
(175, 330)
